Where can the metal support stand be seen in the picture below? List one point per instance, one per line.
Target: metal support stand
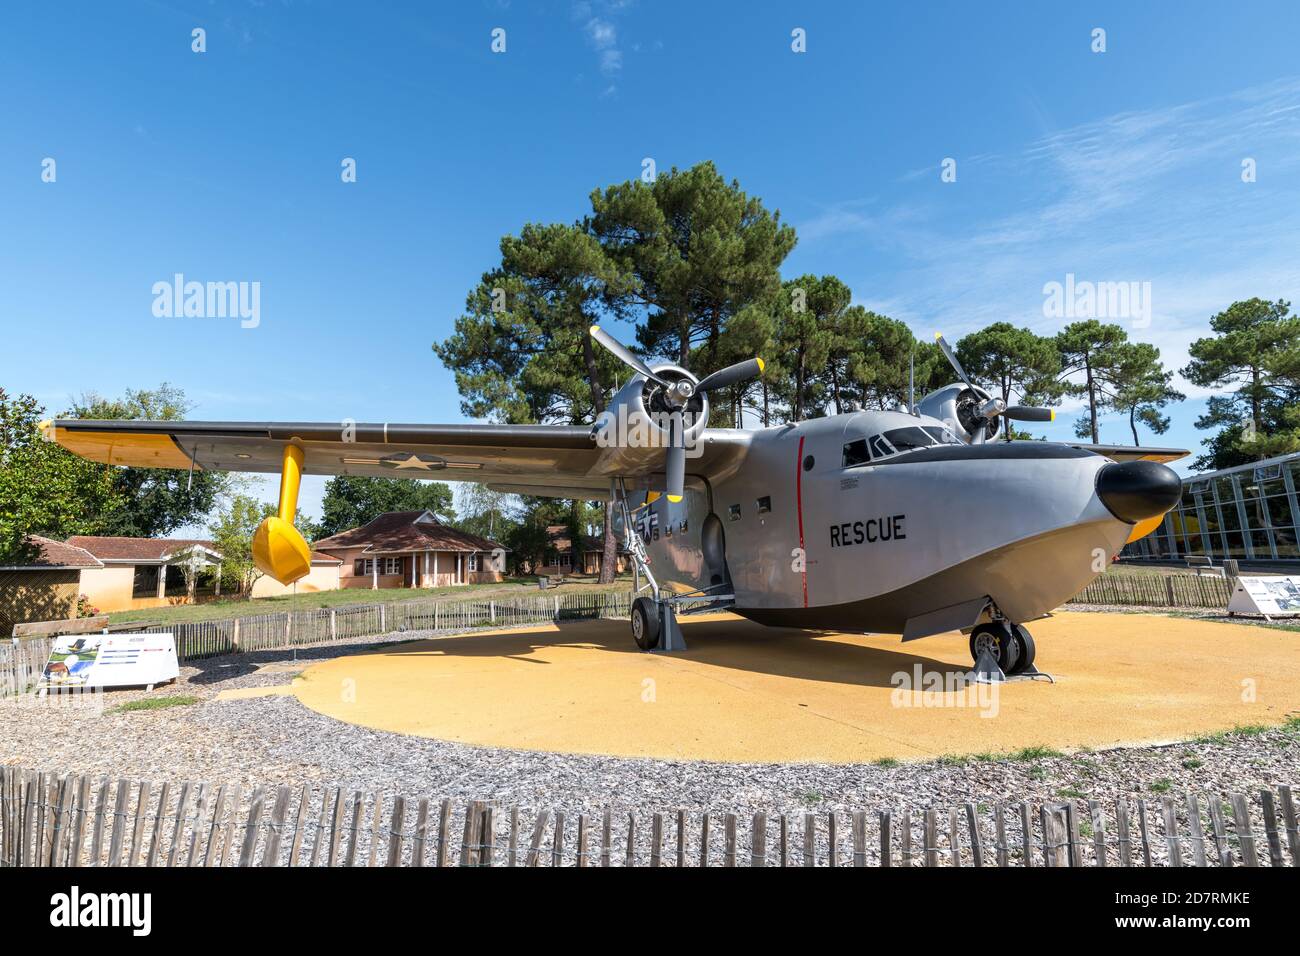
(670, 633)
(987, 671)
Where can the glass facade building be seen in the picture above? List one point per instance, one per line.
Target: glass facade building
(1249, 513)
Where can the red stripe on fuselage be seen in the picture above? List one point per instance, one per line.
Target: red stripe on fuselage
(798, 494)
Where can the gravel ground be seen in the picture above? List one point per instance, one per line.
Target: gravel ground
(275, 740)
(272, 740)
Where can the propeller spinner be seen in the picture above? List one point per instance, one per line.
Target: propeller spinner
(675, 395)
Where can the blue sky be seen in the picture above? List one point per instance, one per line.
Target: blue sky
(225, 166)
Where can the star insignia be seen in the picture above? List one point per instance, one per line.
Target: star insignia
(412, 461)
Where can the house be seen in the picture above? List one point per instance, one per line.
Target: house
(412, 549)
(137, 573)
(563, 558)
(43, 584)
(324, 576)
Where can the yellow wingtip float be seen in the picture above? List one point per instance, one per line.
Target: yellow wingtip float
(279, 548)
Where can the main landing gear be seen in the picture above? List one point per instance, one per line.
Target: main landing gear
(654, 626)
(1002, 650)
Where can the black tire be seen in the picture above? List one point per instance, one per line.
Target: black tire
(1025, 645)
(998, 638)
(645, 623)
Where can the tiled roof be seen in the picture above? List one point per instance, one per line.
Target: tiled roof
(55, 554)
(406, 531)
(135, 549)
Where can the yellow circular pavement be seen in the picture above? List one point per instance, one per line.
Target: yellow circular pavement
(748, 693)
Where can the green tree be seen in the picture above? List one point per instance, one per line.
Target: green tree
(1253, 356)
(1142, 387)
(44, 489)
(701, 252)
(156, 501)
(484, 512)
(888, 351)
(803, 339)
(350, 501)
(1090, 349)
(232, 531)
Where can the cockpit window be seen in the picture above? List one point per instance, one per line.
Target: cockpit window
(855, 453)
(863, 451)
(941, 435)
(909, 438)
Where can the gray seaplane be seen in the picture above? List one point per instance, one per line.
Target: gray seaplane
(914, 522)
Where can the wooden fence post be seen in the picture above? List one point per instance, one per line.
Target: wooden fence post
(976, 839)
(395, 831)
(271, 855)
(1270, 828)
(1241, 824)
(886, 839)
(1289, 823)
(758, 840)
(249, 848)
(931, 837)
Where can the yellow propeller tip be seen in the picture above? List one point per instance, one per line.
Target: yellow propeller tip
(1051, 415)
(674, 498)
(594, 329)
(761, 366)
(938, 336)
(46, 428)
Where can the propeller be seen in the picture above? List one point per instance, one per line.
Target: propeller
(1029, 413)
(676, 395)
(992, 408)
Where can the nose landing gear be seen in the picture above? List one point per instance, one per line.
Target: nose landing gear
(1003, 651)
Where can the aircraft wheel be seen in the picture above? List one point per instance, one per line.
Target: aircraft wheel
(1024, 642)
(999, 640)
(645, 623)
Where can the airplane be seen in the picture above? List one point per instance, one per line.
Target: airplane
(914, 521)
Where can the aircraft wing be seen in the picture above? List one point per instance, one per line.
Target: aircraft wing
(1135, 452)
(559, 461)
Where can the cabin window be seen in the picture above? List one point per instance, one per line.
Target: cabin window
(808, 462)
(764, 504)
(392, 566)
(733, 512)
(473, 561)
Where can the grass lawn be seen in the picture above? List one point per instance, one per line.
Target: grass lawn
(217, 610)
(157, 703)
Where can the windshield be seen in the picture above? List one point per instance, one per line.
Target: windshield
(863, 451)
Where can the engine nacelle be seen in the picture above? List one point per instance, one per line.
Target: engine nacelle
(633, 432)
(958, 406)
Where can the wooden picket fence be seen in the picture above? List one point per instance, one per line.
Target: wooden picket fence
(70, 820)
(1156, 590)
(22, 663)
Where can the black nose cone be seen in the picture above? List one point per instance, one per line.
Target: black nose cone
(1134, 490)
